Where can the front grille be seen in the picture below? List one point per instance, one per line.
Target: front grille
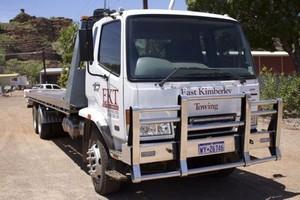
(213, 119)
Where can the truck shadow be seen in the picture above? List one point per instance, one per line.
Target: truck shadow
(72, 148)
(240, 185)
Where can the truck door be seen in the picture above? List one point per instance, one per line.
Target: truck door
(106, 86)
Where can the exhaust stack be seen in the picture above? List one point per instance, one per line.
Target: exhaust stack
(145, 3)
(171, 5)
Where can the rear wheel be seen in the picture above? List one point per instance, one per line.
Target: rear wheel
(99, 163)
(34, 119)
(43, 129)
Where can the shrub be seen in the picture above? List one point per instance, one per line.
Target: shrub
(282, 86)
(30, 68)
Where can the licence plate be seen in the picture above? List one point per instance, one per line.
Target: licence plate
(211, 147)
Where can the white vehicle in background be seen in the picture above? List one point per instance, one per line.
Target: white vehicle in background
(42, 87)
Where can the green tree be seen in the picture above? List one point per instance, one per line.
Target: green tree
(287, 87)
(65, 45)
(29, 68)
(265, 22)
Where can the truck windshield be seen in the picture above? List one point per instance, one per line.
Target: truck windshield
(156, 45)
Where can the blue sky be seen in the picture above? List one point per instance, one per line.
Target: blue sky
(74, 8)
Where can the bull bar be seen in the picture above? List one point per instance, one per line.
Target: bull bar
(133, 153)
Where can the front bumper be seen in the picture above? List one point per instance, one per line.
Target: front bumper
(242, 141)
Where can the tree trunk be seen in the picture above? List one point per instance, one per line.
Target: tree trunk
(293, 49)
(296, 57)
(296, 60)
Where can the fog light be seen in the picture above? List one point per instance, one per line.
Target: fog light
(156, 129)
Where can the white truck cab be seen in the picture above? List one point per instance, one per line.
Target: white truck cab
(150, 57)
(165, 93)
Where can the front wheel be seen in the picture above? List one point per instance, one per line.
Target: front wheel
(99, 163)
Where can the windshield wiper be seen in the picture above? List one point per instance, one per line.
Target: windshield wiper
(161, 83)
(241, 79)
(214, 71)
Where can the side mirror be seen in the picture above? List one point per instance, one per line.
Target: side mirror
(86, 44)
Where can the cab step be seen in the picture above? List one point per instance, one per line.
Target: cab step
(116, 175)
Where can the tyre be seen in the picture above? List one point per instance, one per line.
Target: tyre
(44, 130)
(34, 119)
(99, 163)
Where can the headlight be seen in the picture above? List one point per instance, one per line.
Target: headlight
(156, 130)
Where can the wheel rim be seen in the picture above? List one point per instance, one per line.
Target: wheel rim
(94, 159)
(39, 124)
(34, 114)
(34, 124)
(34, 120)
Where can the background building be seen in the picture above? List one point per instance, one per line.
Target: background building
(279, 61)
(52, 75)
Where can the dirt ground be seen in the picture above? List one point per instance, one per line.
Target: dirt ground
(31, 168)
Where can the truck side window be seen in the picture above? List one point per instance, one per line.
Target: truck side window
(110, 47)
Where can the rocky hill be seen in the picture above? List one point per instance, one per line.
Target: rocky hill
(26, 33)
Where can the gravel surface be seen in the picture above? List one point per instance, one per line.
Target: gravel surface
(31, 168)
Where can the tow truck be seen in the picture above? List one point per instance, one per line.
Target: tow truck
(160, 93)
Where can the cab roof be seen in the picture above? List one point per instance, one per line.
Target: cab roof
(127, 13)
